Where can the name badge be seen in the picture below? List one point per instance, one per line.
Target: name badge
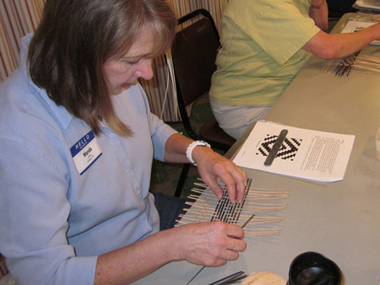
(85, 152)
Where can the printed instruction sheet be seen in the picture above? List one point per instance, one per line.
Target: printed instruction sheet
(304, 153)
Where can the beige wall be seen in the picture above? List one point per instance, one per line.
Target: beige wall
(20, 17)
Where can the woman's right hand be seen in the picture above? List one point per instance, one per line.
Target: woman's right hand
(210, 243)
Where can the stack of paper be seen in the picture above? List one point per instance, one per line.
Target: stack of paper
(373, 5)
(308, 154)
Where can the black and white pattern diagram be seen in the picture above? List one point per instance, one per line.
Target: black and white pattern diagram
(288, 149)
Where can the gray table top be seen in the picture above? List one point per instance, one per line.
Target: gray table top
(340, 220)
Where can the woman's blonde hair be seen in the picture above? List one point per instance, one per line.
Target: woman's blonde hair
(75, 38)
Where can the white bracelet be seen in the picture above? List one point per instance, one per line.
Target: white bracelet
(190, 148)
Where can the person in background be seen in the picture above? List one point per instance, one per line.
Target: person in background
(263, 46)
(77, 142)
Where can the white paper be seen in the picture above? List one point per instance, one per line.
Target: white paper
(354, 26)
(308, 154)
(371, 4)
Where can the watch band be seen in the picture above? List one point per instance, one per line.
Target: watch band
(190, 148)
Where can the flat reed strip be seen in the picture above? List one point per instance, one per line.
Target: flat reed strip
(265, 204)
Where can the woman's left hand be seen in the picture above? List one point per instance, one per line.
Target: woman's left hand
(212, 165)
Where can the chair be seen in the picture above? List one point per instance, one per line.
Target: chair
(194, 53)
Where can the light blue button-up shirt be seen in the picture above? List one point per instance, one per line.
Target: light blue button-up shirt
(54, 221)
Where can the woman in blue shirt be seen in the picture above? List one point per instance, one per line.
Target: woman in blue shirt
(77, 142)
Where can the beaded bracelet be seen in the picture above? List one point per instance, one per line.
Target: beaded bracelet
(190, 148)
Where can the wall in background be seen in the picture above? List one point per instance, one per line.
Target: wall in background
(20, 17)
(17, 18)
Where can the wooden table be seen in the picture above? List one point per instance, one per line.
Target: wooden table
(341, 220)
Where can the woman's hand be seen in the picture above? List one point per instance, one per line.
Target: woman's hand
(210, 243)
(212, 165)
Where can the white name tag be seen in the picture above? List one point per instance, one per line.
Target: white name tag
(85, 152)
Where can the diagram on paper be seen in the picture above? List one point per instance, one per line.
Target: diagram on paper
(288, 150)
(308, 154)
